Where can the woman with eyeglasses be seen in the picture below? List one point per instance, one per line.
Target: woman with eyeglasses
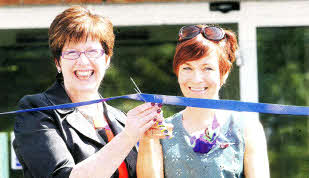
(207, 142)
(89, 141)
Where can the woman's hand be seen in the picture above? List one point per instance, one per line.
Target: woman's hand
(160, 130)
(141, 118)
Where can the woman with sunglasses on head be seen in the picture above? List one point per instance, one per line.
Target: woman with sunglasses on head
(207, 142)
(89, 141)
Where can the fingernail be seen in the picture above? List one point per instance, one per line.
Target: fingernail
(164, 131)
(160, 123)
(160, 105)
(159, 110)
(152, 104)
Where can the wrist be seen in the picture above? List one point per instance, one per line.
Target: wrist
(130, 137)
(149, 140)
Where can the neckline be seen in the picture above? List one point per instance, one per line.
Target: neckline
(217, 115)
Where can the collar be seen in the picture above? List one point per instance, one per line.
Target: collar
(57, 95)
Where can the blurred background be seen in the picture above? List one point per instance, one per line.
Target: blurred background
(272, 65)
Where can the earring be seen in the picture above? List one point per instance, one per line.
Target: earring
(59, 71)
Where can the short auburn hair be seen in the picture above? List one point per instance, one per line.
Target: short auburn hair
(195, 49)
(77, 24)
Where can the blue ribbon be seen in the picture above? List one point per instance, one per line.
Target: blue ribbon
(191, 102)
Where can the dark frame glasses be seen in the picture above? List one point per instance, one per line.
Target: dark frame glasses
(209, 32)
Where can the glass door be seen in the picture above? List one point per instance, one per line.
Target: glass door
(283, 61)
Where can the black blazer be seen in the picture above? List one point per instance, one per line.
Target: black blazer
(49, 143)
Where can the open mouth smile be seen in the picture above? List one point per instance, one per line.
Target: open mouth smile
(198, 89)
(83, 74)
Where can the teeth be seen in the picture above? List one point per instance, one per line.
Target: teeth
(83, 74)
(198, 89)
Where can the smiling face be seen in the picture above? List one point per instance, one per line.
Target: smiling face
(83, 75)
(200, 78)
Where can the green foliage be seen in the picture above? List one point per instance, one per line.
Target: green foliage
(283, 79)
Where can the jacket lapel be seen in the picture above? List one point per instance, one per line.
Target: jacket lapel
(112, 119)
(80, 123)
(57, 95)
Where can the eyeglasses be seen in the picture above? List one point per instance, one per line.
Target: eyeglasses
(91, 54)
(209, 32)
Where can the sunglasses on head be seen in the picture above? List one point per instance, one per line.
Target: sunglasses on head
(209, 32)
